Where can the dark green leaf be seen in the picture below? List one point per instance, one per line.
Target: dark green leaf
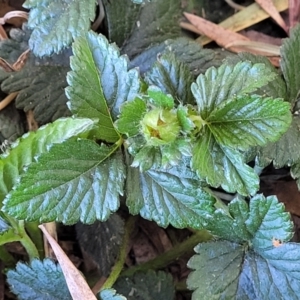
(56, 23)
(249, 121)
(101, 241)
(41, 90)
(75, 180)
(216, 266)
(157, 22)
(295, 172)
(120, 18)
(32, 144)
(290, 56)
(168, 197)
(100, 83)
(285, 152)
(172, 77)
(110, 294)
(219, 165)
(146, 286)
(227, 82)
(130, 117)
(39, 280)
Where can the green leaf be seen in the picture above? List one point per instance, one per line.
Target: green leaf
(227, 82)
(275, 274)
(4, 225)
(259, 223)
(100, 83)
(219, 165)
(75, 180)
(56, 23)
(38, 280)
(103, 248)
(32, 144)
(249, 121)
(144, 286)
(157, 22)
(130, 117)
(118, 10)
(172, 77)
(160, 99)
(110, 294)
(216, 266)
(168, 197)
(41, 90)
(295, 173)
(289, 63)
(9, 236)
(284, 152)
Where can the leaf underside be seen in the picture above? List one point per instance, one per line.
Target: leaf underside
(75, 181)
(56, 23)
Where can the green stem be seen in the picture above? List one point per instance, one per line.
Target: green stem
(36, 236)
(117, 269)
(27, 242)
(168, 257)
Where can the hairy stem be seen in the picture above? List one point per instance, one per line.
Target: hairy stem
(168, 257)
(117, 269)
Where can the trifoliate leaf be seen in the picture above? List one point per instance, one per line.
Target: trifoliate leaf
(41, 90)
(289, 63)
(172, 77)
(101, 241)
(110, 294)
(144, 286)
(249, 121)
(168, 198)
(221, 166)
(216, 270)
(38, 280)
(160, 99)
(227, 82)
(32, 144)
(284, 152)
(275, 88)
(260, 223)
(131, 115)
(56, 23)
(115, 11)
(273, 275)
(100, 83)
(157, 22)
(77, 180)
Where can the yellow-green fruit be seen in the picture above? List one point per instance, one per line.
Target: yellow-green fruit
(160, 126)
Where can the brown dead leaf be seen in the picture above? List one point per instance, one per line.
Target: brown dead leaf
(294, 12)
(257, 36)
(270, 8)
(77, 285)
(220, 35)
(9, 98)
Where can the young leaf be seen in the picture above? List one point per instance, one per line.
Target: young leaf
(101, 241)
(284, 152)
(99, 82)
(158, 21)
(249, 121)
(39, 280)
(289, 63)
(226, 82)
(259, 223)
(159, 99)
(32, 144)
(219, 165)
(56, 23)
(130, 117)
(110, 294)
(216, 270)
(75, 180)
(168, 197)
(149, 285)
(172, 77)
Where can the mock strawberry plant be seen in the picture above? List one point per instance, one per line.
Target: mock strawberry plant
(161, 140)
